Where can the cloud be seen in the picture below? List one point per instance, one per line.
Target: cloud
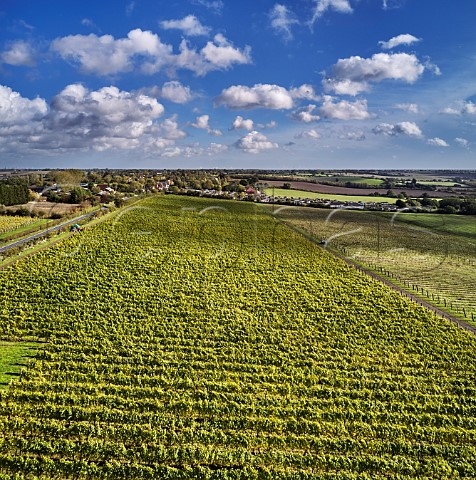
(462, 142)
(282, 19)
(344, 110)
(189, 25)
(403, 39)
(241, 123)
(461, 108)
(80, 119)
(408, 107)
(437, 142)
(353, 75)
(130, 8)
(358, 136)
(261, 95)
(201, 123)
(19, 53)
(392, 4)
(311, 134)
(340, 6)
(272, 124)
(145, 51)
(106, 56)
(169, 129)
(306, 114)
(216, 6)
(176, 92)
(87, 22)
(403, 128)
(255, 142)
(17, 110)
(304, 92)
(222, 54)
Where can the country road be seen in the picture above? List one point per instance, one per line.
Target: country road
(45, 232)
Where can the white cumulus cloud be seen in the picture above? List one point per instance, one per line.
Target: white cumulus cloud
(355, 74)
(341, 6)
(402, 128)
(255, 142)
(311, 134)
(176, 92)
(241, 123)
(81, 119)
(344, 110)
(269, 96)
(306, 114)
(437, 142)
(403, 39)
(461, 108)
(19, 53)
(189, 25)
(201, 122)
(15, 109)
(145, 51)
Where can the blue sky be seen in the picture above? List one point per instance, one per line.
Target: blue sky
(321, 84)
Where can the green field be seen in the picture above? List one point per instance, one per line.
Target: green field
(290, 193)
(197, 338)
(342, 179)
(13, 357)
(433, 252)
(449, 224)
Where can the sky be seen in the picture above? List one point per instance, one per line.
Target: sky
(303, 84)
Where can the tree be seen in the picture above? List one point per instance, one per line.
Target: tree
(77, 195)
(67, 178)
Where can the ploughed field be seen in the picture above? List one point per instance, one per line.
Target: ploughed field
(190, 338)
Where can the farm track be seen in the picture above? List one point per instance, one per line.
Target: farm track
(442, 313)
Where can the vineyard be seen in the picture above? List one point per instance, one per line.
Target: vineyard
(430, 255)
(193, 338)
(9, 223)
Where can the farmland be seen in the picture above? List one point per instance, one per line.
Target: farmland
(290, 193)
(192, 338)
(428, 254)
(9, 223)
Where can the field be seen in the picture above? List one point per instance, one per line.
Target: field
(283, 192)
(335, 190)
(192, 338)
(49, 208)
(9, 223)
(430, 254)
(13, 356)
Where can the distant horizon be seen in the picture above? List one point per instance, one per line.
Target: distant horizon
(258, 170)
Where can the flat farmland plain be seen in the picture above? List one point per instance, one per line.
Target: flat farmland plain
(192, 338)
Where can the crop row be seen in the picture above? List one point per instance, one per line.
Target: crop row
(195, 339)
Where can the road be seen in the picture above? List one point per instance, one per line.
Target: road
(46, 232)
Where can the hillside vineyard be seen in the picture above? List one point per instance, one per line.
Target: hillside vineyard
(192, 338)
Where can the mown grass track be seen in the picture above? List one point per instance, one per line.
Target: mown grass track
(195, 342)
